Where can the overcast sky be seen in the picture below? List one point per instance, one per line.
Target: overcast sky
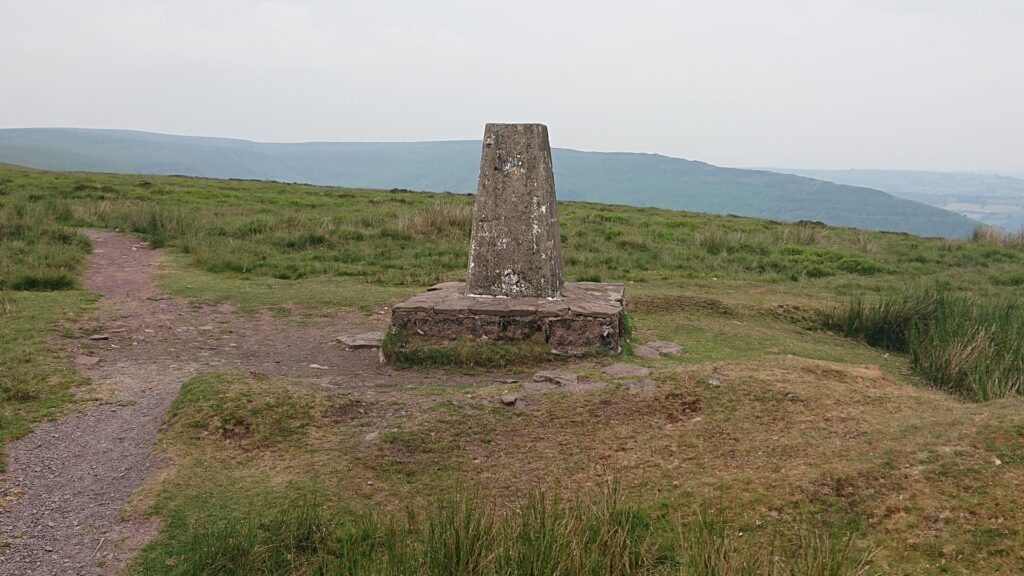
(928, 84)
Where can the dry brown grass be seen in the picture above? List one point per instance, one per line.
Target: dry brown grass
(992, 235)
(446, 220)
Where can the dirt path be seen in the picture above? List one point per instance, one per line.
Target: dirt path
(72, 477)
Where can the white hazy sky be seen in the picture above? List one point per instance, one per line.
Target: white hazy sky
(928, 84)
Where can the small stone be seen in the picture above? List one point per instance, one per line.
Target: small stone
(713, 379)
(558, 378)
(371, 436)
(792, 397)
(99, 337)
(645, 351)
(637, 385)
(206, 328)
(507, 380)
(86, 360)
(369, 482)
(509, 399)
(665, 347)
(626, 371)
(318, 367)
(361, 341)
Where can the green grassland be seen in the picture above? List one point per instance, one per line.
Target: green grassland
(805, 426)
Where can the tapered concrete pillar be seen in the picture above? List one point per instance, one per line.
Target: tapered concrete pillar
(515, 247)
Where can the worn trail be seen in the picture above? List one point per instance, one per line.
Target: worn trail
(68, 482)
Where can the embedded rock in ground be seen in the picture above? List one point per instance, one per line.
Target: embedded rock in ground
(664, 347)
(626, 371)
(549, 379)
(361, 341)
(515, 246)
(646, 352)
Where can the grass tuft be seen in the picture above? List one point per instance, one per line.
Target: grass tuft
(992, 235)
(959, 343)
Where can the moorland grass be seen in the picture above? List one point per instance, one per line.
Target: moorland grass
(272, 244)
(546, 535)
(40, 260)
(991, 235)
(959, 343)
(35, 382)
(402, 238)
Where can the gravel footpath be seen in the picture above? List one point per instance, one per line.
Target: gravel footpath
(69, 480)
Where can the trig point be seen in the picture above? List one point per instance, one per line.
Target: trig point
(516, 288)
(515, 249)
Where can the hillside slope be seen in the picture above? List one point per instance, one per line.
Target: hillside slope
(621, 178)
(994, 199)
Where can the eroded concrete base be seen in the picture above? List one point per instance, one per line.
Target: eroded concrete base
(588, 317)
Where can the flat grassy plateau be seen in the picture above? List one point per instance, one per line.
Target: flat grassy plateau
(847, 401)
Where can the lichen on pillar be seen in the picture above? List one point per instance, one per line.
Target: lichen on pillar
(515, 246)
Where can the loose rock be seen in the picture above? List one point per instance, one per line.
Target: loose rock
(96, 337)
(509, 399)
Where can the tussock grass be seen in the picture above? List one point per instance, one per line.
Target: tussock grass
(959, 343)
(992, 235)
(446, 220)
(37, 253)
(461, 536)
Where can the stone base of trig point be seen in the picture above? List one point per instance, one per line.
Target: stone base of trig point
(588, 317)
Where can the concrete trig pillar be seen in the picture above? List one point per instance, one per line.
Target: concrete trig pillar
(515, 247)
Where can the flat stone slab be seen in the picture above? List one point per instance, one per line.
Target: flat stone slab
(626, 371)
(580, 298)
(664, 347)
(362, 341)
(554, 378)
(646, 352)
(589, 315)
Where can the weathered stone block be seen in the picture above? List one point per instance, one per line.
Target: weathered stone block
(515, 247)
(589, 316)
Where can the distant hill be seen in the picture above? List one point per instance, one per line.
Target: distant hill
(619, 178)
(990, 198)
